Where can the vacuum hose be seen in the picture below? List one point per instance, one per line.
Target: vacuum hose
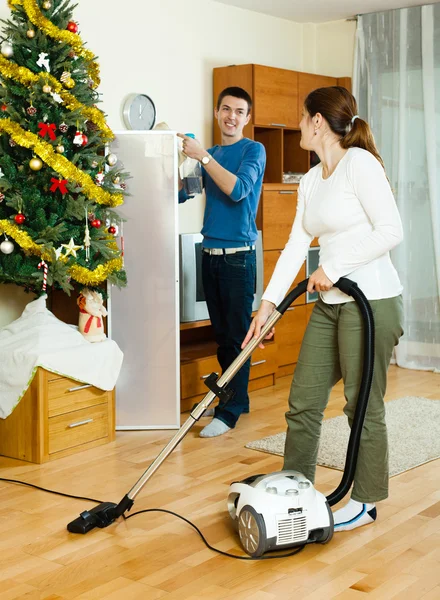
(351, 289)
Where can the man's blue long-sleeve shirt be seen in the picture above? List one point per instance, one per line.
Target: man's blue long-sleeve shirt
(229, 221)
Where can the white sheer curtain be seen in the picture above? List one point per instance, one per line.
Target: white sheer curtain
(397, 85)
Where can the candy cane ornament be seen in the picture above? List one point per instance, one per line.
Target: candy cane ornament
(44, 265)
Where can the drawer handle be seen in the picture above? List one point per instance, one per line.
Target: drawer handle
(206, 376)
(278, 124)
(80, 423)
(286, 192)
(80, 387)
(259, 362)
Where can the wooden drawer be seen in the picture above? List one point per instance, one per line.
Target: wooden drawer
(78, 427)
(279, 210)
(270, 260)
(194, 373)
(66, 395)
(264, 362)
(289, 333)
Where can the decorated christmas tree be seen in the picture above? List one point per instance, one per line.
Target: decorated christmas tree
(58, 188)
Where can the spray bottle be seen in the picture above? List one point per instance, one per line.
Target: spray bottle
(192, 174)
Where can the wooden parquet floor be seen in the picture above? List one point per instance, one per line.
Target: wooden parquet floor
(156, 556)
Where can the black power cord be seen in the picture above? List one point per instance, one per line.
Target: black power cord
(170, 512)
(163, 510)
(37, 487)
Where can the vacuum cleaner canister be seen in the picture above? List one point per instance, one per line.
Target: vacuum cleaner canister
(278, 511)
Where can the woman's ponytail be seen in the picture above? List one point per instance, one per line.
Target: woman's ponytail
(339, 109)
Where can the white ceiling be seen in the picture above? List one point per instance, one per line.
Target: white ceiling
(319, 11)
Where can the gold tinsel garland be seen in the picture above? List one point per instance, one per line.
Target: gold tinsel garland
(80, 274)
(60, 164)
(72, 39)
(26, 77)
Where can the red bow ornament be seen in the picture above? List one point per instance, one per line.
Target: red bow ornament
(58, 184)
(47, 129)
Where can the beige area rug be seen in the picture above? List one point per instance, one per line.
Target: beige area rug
(413, 435)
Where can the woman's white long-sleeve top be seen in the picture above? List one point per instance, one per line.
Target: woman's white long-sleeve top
(354, 215)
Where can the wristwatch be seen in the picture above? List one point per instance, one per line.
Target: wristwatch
(205, 159)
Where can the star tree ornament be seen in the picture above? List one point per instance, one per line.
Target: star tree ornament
(71, 249)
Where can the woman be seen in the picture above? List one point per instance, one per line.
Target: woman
(345, 201)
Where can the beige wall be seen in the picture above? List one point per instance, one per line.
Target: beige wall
(168, 49)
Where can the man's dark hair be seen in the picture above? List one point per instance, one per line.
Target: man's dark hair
(236, 92)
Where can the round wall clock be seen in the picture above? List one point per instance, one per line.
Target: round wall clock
(139, 112)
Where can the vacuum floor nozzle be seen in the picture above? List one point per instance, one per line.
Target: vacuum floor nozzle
(101, 516)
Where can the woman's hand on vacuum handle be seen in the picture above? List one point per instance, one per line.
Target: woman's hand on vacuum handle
(264, 312)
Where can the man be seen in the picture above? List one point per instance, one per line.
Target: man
(233, 176)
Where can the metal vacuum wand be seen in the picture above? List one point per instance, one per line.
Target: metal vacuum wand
(106, 513)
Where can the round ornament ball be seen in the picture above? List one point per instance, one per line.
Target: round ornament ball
(112, 159)
(72, 27)
(31, 111)
(20, 218)
(116, 180)
(4, 108)
(60, 149)
(7, 247)
(96, 223)
(85, 140)
(30, 33)
(47, 5)
(2, 197)
(112, 229)
(69, 83)
(35, 164)
(7, 50)
(47, 89)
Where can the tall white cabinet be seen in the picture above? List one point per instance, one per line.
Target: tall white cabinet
(144, 316)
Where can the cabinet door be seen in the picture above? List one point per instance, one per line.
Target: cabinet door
(275, 97)
(289, 332)
(307, 82)
(279, 210)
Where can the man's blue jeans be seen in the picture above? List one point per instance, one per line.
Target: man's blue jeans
(229, 286)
